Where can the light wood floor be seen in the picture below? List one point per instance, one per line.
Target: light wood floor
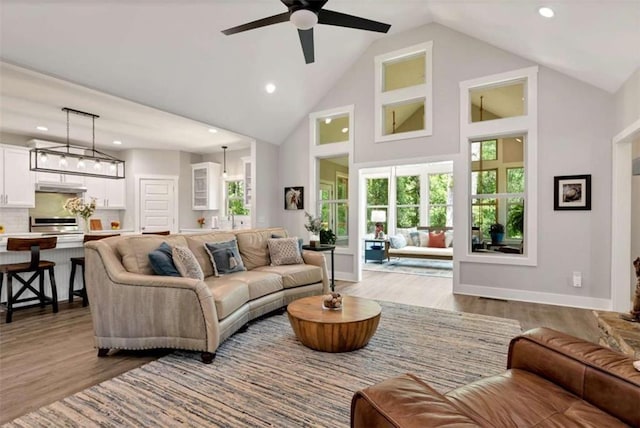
(45, 357)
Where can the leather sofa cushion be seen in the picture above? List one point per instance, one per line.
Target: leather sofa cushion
(522, 399)
(259, 283)
(295, 275)
(196, 245)
(253, 246)
(134, 250)
(228, 294)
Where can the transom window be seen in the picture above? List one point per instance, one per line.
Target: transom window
(403, 93)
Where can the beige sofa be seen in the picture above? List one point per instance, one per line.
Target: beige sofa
(132, 308)
(421, 252)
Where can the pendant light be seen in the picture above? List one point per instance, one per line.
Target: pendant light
(74, 160)
(224, 161)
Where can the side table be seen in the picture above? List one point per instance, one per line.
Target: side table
(376, 249)
(325, 247)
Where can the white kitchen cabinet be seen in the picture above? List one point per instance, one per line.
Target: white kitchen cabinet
(206, 190)
(248, 182)
(109, 194)
(16, 180)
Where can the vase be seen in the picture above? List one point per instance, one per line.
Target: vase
(85, 225)
(314, 239)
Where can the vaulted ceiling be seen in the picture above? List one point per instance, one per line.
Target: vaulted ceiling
(171, 55)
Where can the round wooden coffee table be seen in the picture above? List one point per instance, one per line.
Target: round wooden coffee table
(328, 330)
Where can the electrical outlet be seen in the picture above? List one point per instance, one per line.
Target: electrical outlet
(577, 279)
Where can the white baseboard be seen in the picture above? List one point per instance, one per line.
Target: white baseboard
(534, 297)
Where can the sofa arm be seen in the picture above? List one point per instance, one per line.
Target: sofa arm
(317, 259)
(592, 372)
(135, 311)
(405, 401)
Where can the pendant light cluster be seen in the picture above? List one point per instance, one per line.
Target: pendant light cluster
(77, 160)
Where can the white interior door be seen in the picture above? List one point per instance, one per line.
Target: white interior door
(157, 205)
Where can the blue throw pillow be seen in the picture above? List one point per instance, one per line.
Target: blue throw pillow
(397, 241)
(161, 261)
(300, 241)
(225, 257)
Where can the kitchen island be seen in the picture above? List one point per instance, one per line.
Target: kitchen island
(68, 246)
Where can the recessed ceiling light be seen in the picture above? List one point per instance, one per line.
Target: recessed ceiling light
(213, 130)
(42, 128)
(519, 140)
(547, 12)
(117, 142)
(270, 88)
(345, 130)
(327, 120)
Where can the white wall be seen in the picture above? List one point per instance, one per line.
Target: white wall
(627, 102)
(635, 216)
(267, 204)
(575, 130)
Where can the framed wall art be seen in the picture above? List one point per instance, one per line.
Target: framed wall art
(572, 192)
(294, 198)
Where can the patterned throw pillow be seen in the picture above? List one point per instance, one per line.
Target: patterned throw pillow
(225, 257)
(397, 241)
(436, 240)
(300, 241)
(186, 263)
(161, 261)
(448, 238)
(284, 251)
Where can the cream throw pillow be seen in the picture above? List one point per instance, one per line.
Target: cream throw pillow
(284, 251)
(186, 263)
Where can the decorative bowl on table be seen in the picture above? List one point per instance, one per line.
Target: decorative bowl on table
(332, 301)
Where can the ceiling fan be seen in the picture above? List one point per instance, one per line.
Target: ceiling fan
(304, 14)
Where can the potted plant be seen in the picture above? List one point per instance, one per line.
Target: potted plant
(497, 233)
(327, 237)
(516, 219)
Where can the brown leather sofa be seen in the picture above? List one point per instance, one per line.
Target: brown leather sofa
(552, 380)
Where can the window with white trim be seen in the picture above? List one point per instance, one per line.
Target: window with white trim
(498, 130)
(234, 198)
(403, 93)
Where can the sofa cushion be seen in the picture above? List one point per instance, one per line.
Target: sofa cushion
(186, 263)
(161, 260)
(437, 240)
(522, 399)
(295, 275)
(411, 250)
(259, 283)
(196, 245)
(253, 246)
(134, 250)
(228, 294)
(284, 251)
(225, 257)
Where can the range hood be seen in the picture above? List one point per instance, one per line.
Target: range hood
(60, 187)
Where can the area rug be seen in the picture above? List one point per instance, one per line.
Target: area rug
(265, 377)
(441, 268)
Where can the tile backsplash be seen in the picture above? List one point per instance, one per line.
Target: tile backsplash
(15, 220)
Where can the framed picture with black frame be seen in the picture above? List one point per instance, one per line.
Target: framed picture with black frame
(572, 193)
(294, 198)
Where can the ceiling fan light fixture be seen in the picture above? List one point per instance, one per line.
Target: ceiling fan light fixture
(303, 19)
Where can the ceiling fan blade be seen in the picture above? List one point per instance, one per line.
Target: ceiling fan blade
(306, 40)
(330, 17)
(275, 19)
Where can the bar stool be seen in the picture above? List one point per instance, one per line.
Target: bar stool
(37, 266)
(79, 261)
